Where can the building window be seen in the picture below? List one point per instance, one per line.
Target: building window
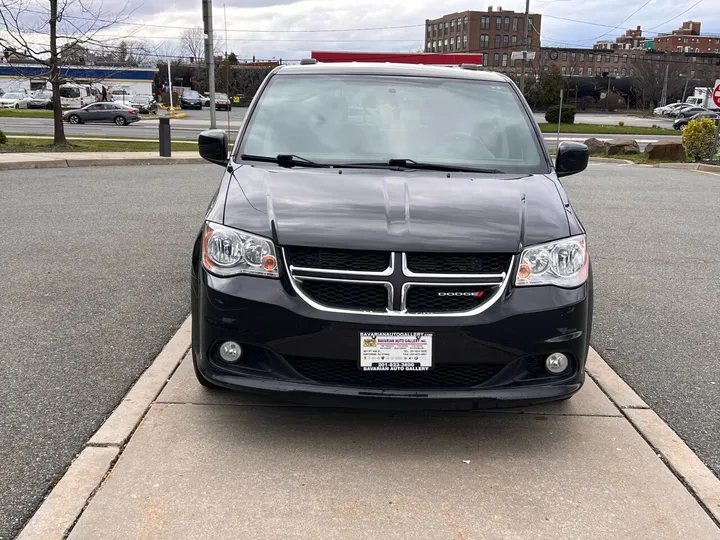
(429, 33)
(515, 24)
(624, 58)
(452, 25)
(607, 58)
(582, 57)
(446, 44)
(486, 59)
(497, 41)
(504, 60)
(507, 23)
(589, 72)
(572, 70)
(498, 23)
(506, 41)
(564, 56)
(633, 57)
(623, 72)
(598, 72)
(615, 72)
(452, 45)
(573, 57)
(485, 23)
(465, 41)
(484, 41)
(447, 25)
(434, 30)
(496, 59)
(465, 23)
(513, 41)
(563, 70)
(616, 58)
(632, 72)
(599, 57)
(546, 68)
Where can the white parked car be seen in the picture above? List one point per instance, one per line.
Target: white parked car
(667, 109)
(14, 100)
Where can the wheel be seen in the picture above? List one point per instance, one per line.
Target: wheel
(120, 121)
(682, 128)
(17, 105)
(49, 106)
(201, 379)
(74, 119)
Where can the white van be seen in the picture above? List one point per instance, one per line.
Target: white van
(74, 96)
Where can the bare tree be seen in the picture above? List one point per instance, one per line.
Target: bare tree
(193, 43)
(38, 32)
(650, 76)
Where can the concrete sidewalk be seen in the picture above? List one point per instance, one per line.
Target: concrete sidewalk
(221, 465)
(44, 160)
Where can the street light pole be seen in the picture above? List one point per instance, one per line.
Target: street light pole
(525, 45)
(687, 80)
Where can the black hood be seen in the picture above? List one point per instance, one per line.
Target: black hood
(395, 210)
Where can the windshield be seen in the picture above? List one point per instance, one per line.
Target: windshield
(191, 94)
(365, 118)
(13, 96)
(40, 94)
(220, 96)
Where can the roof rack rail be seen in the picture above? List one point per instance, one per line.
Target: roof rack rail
(308, 61)
(473, 67)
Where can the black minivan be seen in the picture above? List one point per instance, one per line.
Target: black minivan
(391, 235)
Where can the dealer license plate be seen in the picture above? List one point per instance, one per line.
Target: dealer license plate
(392, 351)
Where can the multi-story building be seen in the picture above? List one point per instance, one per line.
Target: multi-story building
(495, 33)
(688, 39)
(631, 39)
(588, 62)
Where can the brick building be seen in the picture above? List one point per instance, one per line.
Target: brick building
(495, 33)
(688, 39)
(631, 39)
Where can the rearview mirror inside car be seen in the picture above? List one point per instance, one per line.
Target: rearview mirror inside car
(213, 146)
(572, 158)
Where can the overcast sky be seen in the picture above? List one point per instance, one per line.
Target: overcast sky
(279, 28)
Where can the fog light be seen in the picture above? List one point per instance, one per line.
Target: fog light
(230, 351)
(556, 363)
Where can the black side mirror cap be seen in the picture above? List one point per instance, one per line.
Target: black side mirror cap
(213, 146)
(572, 158)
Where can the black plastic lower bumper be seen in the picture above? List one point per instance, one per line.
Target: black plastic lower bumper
(281, 335)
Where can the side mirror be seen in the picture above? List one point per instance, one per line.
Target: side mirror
(213, 146)
(572, 158)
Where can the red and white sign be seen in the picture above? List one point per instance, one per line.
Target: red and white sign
(716, 93)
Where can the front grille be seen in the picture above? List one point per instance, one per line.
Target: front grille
(424, 299)
(347, 295)
(347, 373)
(457, 263)
(338, 259)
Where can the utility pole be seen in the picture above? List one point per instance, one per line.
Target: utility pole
(525, 45)
(209, 56)
(663, 99)
(227, 68)
(687, 80)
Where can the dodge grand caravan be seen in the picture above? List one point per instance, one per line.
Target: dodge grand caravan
(388, 235)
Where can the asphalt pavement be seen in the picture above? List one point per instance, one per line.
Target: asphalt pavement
(653, 236)
(98, 280)
(95, 273)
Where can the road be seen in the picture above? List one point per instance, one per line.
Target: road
(99, 280)
(612, 119)
(93, 287)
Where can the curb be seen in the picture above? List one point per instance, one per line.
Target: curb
(679, 458)
(93, 162)
(67, 500)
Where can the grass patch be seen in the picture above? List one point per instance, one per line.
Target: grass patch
(642, 159)
(25, 113)
(46, 145)
(605, 130)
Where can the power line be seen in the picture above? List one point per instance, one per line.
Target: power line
(619, 25)
(678, 15)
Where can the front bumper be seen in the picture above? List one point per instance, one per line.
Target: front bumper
(279, 332)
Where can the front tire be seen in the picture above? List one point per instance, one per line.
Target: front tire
(74, 119)
(17, 105)
(120, 121)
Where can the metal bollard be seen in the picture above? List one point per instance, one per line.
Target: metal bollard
(164, 137)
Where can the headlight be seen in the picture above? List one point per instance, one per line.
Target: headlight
(229, 252)
(563, 263)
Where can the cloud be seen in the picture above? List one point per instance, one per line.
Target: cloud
(278, 28)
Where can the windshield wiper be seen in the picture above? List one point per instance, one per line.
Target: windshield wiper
(406, 163)
(284, 160)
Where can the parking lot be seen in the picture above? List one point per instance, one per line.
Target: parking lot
(99, 281)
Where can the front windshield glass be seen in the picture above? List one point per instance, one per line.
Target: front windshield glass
(220, 96)
(13, 96)
(191, 94)
(364, 118)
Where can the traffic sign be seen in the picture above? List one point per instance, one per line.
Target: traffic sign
(522, 55)
(716, 93)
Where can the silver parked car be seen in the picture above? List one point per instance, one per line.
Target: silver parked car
(103, 111)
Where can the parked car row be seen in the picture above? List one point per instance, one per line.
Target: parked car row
(682, 122)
